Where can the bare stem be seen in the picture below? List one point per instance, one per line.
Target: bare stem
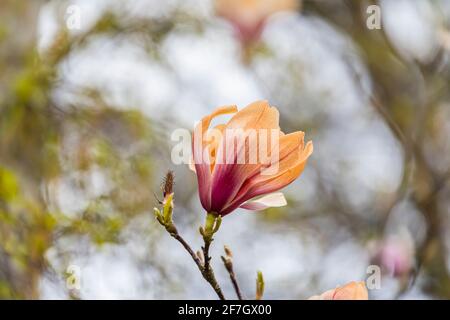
(189, 250)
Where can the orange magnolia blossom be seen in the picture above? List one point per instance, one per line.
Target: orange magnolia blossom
(226, 185)
(351, 291)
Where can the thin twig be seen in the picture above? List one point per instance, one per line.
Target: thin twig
(189, 250)
(236, 285)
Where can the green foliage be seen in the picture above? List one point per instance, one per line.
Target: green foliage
(8, 185)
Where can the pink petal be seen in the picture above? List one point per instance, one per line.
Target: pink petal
(202, 166)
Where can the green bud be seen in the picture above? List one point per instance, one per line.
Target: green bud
(217, 224)
(168, 208)
(259, 285)
(212, 225)
(159, 216)
(209, 223)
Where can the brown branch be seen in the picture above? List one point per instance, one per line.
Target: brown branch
(189, 250)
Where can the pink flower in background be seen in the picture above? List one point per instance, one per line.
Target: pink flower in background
(395, 255)
(249, 16)
(224, 182)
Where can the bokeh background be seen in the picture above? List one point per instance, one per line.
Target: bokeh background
(90, 92)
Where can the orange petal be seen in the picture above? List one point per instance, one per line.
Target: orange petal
(215, 144)
(201, 130)
(287, 144)
(289, 168)
(327, 295)
(352, 291)
(206, 121)
(257, 115)
(249, 122)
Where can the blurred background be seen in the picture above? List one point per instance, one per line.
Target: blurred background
(90, 92)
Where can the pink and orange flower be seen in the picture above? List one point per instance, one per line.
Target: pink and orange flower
(225, 183)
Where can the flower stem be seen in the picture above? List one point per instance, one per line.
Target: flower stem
(208, 272)
(212, 225)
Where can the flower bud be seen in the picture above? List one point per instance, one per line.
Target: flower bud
(228, 251)
(259, 285)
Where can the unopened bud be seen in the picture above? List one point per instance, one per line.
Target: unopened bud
(158, 216)
(168, 182)
(168, 208)
(212, 225)
(228, 251)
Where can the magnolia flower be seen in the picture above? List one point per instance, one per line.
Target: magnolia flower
(351, 291)
(395, 255)
(227, 176)
(248, 16)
